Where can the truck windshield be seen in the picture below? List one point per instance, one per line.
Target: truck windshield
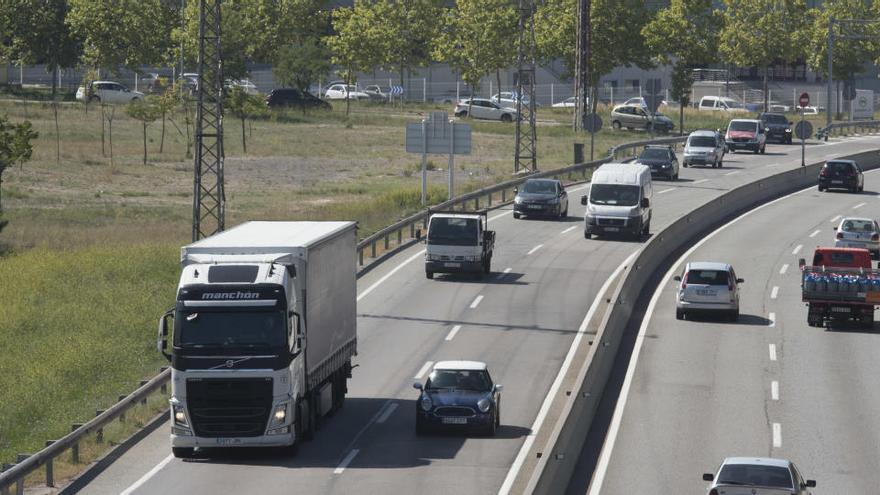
(614, 194)
(232, 329)
(453, 231)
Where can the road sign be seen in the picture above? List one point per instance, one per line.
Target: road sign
(804, 100)
(592, 122)
(803, 130)
(439, 136)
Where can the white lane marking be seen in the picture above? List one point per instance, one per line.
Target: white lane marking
(345, 462)
(732, 173)
(548, 399)
(777, 435)
(389, 409)
(772, 318)
(815, 233)
(783, 269)
(539, 246)
(476, 302)
(152, 472)
(424, 369)
(496, 217)
(502, 274)
(797, 249)
(856, 207)
(774, 292)
(452, 332)
(389, 274)
(569, 229)
(774, 390)
(595, 487)
(701, 181)
(771, 165)
(835, 219)
(667, 190)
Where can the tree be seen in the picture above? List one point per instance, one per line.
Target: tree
(242, 105)
(684, 34)
(300, 65)
(166, 103)
(405, 31)
(146, 112)
(15, 145)
(763, 32)
(37, 33)
(353, 43)
(122, 33)
(475, 38)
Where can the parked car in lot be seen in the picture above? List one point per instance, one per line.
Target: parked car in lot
(292, 97)
(541, 197)
(569, 102)
(376, 93)
(757, 476)
(704, 147)
(808, 110)
(746, 134)
(508, 99)
(776, 126)
(858, 233)
(661, 160)
(707, 287)
(154, 82)
(458, 394)
(841, 174)
(482, 108)
(720, 104)
(343, 91)
(107, 92)
(243, 84)
(636, 117)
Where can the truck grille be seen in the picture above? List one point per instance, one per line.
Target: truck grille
(612, 222)
(230, 407)
(454, 411)
(742, 139)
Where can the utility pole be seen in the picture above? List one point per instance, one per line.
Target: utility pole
(209, 197)
(525, 156)
(582, 64)
(830, 72)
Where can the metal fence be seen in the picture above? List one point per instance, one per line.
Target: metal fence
(849, 128)
(392, 239)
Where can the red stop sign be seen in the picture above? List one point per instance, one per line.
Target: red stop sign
(804, 100)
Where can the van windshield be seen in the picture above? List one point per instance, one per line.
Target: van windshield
(614, 194)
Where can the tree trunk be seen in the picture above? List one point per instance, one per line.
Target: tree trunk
(188, 135)
(498, 82)
(145, 143)
(54, 80)
(681, 117)
(837, 107)
(57, 133)
(103, 147)
(766, 95)
(243, 141)
(162, 139)
(110, 133)
(347, 99)
(1, 188)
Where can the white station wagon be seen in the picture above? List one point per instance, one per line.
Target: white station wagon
(708, 287)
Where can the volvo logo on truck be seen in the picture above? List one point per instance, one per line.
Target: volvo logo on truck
(230, 295)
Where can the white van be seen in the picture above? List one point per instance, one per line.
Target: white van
(720, 104)
(619, 200)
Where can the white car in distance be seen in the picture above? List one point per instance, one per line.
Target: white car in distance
(863, 233)
(758, 476)
(342, 91)
(508, 99)
(481, 108)
(107, 92)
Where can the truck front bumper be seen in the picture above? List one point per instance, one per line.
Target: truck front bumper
(453, 266)
(190, 441)
(599, 226)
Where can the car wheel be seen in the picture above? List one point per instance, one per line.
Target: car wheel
(756, 150)
(516, 215)
(183, 452)
(685, 165)
(463, 114)
(721, 163)
(616, 125)
(94, 99)
(734, 315)
(646, 230)
(506, 117)
(492, 427)
(135, 100)
(565, 213)
(587, 235)
(679, 314)
(429, 275)
(763, 149)
(862, 188)
(821, 188)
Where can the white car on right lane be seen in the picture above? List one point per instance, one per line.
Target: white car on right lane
(861, 233)
(758, 476)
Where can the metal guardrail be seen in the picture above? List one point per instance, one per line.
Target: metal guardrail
(489, 196)
(27, 464)
(847, 128)
(15, 473)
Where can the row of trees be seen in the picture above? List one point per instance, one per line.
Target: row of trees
(476, 37)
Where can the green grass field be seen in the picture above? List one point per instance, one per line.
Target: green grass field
(92, 248)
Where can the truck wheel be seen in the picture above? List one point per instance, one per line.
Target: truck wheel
(515, 215)
(487, 266)
(679, 314)
(183, 452)
(734, 315)
(867, 321)
(305, 420)
(587, 235)
(430, 275)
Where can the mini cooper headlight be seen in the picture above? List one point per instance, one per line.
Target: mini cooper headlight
(426, 403)
(484, 404)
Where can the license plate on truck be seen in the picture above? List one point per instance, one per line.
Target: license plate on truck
(228, 441)
(452, 265)
(612, 229)
(454, 421)
(840, 309)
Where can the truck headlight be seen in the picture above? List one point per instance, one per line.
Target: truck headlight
(180, 416)
(484, 404)
(787, 130)
(426, 403)
(279, 414)
(590, 220)
(517, 200)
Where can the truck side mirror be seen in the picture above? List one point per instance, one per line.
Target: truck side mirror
(811, 483)
(645, 203)
(677, 278)
(584, 199)
(515, 190)
(298, 336)
(802, 263)
(162, 335)
(708, 477)
(417, 385)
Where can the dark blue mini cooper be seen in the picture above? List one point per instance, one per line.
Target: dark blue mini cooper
(458, 394)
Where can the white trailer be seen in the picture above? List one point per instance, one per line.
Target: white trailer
(264, 330)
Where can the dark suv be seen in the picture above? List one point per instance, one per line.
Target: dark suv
(290, 97)
(777, 127)
(841, 174)
(661, 160)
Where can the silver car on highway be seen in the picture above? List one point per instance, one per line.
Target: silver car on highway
(708, 287)
(858, 233)
(758, 476)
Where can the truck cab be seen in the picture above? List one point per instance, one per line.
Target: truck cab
(458, 242)
(840, 286)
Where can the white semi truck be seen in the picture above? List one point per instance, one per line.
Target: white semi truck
(264, 331)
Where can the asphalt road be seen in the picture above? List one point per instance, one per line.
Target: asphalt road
(522, 325)
(768, 385)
